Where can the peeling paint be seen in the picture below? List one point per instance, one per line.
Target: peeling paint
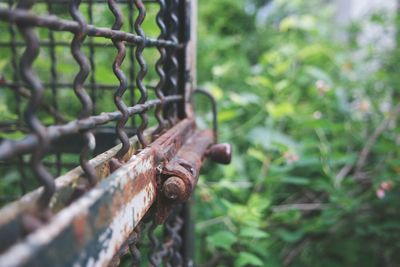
(92, 229)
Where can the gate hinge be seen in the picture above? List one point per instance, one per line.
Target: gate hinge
(180, 175)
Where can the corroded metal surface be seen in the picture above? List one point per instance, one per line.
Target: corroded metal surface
(180, 175)
(97, 224)
(96, 214)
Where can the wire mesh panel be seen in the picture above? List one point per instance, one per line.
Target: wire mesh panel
(71, 68)
(104, 85)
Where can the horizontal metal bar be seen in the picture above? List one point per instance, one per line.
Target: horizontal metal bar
(62, 43)
(89, 231)
(53, 22)
(11, 148)
(61, 85)
(11, 214)
(92, 1)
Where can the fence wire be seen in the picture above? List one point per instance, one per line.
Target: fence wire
(78, 77)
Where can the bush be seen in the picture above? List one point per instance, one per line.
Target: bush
(313, 122)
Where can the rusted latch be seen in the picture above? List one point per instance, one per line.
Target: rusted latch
(179, 176)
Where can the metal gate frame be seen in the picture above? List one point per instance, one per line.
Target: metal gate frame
(90, 228)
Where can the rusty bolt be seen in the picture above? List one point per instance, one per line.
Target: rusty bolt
(220, 153)
(174, 188)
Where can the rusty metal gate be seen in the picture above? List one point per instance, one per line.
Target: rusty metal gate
(106, 85)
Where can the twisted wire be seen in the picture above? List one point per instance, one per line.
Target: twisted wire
(53, 81)
(160, 18)
(173, 69)
(178, 261)
(142, 71)
(131, 56)
(133, 245)
(10, 148)
(56, 24)
(123, 83)
(84, 98)
(31, 79)
(173, 226)
(153, 256)
(53, 64)
(168, 243)
(14, 64)
(93, 84)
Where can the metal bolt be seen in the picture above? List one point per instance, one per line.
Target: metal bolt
(220, 153)
(174, 188)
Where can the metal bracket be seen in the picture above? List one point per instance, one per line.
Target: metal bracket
(179, 177)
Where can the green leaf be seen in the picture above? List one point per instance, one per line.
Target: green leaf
(280, 110)
(295, 180)
(270, 139)
(248, 259)
(222, 239)
(253, 233)
(290, 236)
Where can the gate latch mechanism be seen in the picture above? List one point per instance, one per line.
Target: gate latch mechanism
(180, 175)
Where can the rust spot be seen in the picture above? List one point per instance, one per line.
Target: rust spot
(117, 203)
(115, 164)
(103, 218)
(79, 225)
(181, 172)
(174, 188)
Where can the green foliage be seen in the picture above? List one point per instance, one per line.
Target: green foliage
(301, 107)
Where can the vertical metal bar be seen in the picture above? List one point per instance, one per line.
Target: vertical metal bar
(187, 233)
(189, 32)
(183, 36)
(33, 122)
(79, 89)
(190, 54)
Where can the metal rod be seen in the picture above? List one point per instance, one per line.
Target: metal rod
(11, 148)
(56, 24)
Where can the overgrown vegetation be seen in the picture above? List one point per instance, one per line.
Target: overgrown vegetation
(313, 119)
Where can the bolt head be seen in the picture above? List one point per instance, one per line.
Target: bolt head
(220, 153)
(174, 188)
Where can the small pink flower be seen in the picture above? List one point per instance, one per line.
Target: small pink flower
(317, 115)
(387, 185)
(322, 87)
(380, 193)
(363, 105)
(290, 157)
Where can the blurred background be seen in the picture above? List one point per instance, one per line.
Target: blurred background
(308, 95)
